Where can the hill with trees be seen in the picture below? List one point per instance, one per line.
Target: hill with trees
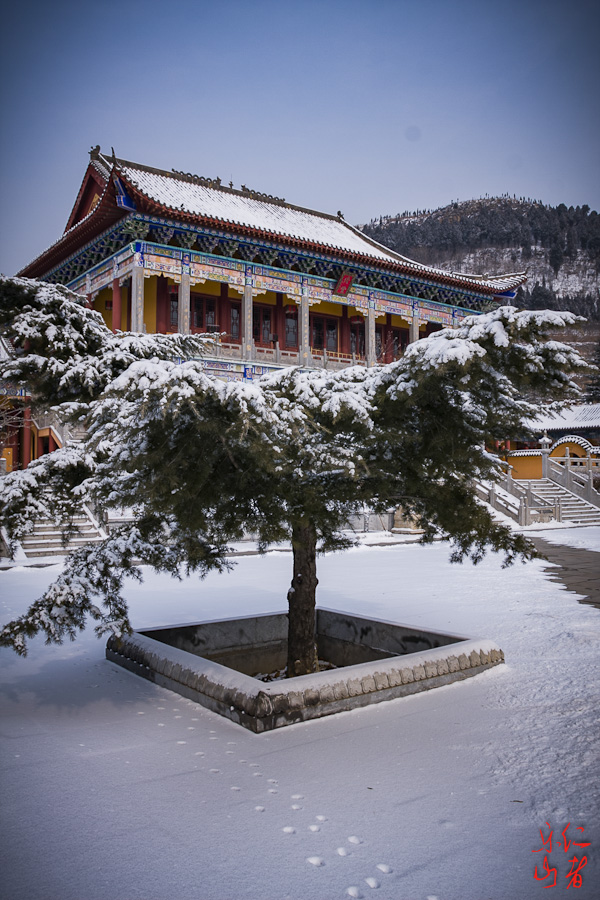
(558, 246)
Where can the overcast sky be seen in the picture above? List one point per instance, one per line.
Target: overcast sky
(367, 106)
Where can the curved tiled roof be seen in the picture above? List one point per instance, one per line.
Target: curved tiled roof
(194, 197)
(208, 203)
(575, 439)
(582, 416)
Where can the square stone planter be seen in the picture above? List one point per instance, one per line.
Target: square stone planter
(214, 664)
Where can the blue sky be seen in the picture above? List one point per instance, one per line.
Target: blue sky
(367, 107)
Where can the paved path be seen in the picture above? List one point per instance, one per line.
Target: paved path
(579, 569)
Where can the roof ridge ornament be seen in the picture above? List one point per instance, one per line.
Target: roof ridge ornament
(198, 179)
(258, 195)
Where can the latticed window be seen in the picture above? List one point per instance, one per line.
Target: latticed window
(174, 312)
(205, 317)
(291, 328)
(324, 334)
(357, 338)
(235, 322)
(261, 324)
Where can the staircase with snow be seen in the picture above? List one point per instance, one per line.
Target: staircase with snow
(46, 538)
(573, 508)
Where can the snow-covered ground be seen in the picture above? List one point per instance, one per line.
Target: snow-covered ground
(116, 788)
(581, 538)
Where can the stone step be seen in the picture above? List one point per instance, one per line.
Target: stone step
(46, 538)
(75, 542)
(57, 535)
(573, 508)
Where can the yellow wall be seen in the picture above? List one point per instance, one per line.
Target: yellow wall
(124, 303)
(100, 305)
(209, 287)
(150, 304)
(399, 322)
(325, 308)
(526, 466)
(268, 299)
(574, 449)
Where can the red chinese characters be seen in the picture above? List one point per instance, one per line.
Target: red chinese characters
(344, 284)
(545, 872)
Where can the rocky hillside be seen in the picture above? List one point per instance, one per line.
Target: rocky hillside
(559, 247)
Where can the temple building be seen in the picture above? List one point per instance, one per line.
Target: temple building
(277, 284)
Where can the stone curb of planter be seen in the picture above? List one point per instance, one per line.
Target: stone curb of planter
(261, 706)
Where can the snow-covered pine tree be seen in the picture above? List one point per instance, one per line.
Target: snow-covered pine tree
(200, 462)
(592, 388)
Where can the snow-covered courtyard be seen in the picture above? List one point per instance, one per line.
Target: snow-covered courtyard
(116, 788)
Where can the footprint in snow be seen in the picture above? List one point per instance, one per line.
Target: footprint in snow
(387, 870)
(214, 771)
(295, 806)
(321, 818)
(353, 839)
(341, 851)
(354, 892)
(259, 808)
(315, 860)
(297, 796)
(314, 828)
(372, 882)
(289, 830)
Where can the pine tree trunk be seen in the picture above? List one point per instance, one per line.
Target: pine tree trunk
(302, 646)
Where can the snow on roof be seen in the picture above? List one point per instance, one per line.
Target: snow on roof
(188, 194)
(524, 453)
(583, 416)
(575, 439)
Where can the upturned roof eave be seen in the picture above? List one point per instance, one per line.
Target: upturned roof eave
(102, 216)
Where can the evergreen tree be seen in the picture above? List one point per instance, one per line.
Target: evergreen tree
(592, 389)
(200, 462)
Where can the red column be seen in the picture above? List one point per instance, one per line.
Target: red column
(345, 332)
(128, 290)
(26, 448)
(279, 321)
(116, 305)
(223, 316)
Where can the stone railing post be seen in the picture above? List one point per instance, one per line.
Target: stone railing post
(545, 443)
(523, 512)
